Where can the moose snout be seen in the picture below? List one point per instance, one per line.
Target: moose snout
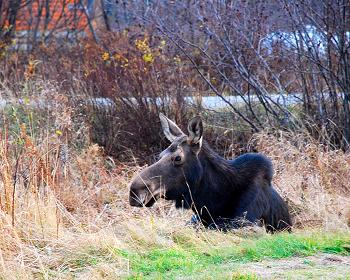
(137, 194)
(135, 199)
(141, 193)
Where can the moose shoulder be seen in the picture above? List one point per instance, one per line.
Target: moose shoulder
(222, 193)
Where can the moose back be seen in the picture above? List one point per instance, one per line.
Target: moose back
(223, 193)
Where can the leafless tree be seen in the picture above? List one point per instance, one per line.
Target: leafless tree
(321, 39)
(228, 44)
(259, 49)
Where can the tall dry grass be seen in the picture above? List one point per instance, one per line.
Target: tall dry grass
(314, 179)
(63, 220)
(64, 202)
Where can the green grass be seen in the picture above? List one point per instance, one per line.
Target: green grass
(168, 263)
(287, 245)
(222, 256)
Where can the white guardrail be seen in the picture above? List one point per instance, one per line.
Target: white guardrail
(207, 102)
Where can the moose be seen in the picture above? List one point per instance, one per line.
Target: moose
(223, 194)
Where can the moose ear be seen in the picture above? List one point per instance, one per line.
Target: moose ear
(170, 129)
(195, 130)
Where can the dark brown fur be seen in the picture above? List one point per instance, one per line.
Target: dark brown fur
(222, 193)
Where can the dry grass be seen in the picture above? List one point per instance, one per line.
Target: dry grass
(67, 222)
(64, 210)
(313, 179)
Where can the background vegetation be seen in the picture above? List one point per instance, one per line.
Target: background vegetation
(79, 117)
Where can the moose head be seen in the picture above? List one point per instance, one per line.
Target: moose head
(177, 170)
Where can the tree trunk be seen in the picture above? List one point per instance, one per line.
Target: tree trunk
(12, 16)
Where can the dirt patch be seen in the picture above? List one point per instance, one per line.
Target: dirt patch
(324, 266)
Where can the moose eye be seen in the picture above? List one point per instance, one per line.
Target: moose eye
(177, 159)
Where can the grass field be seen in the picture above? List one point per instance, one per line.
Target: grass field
(65, 212)
(230, 261)
(184, 253)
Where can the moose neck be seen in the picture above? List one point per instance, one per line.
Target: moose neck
(209, 155)
(216, 167)
(217, 182)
